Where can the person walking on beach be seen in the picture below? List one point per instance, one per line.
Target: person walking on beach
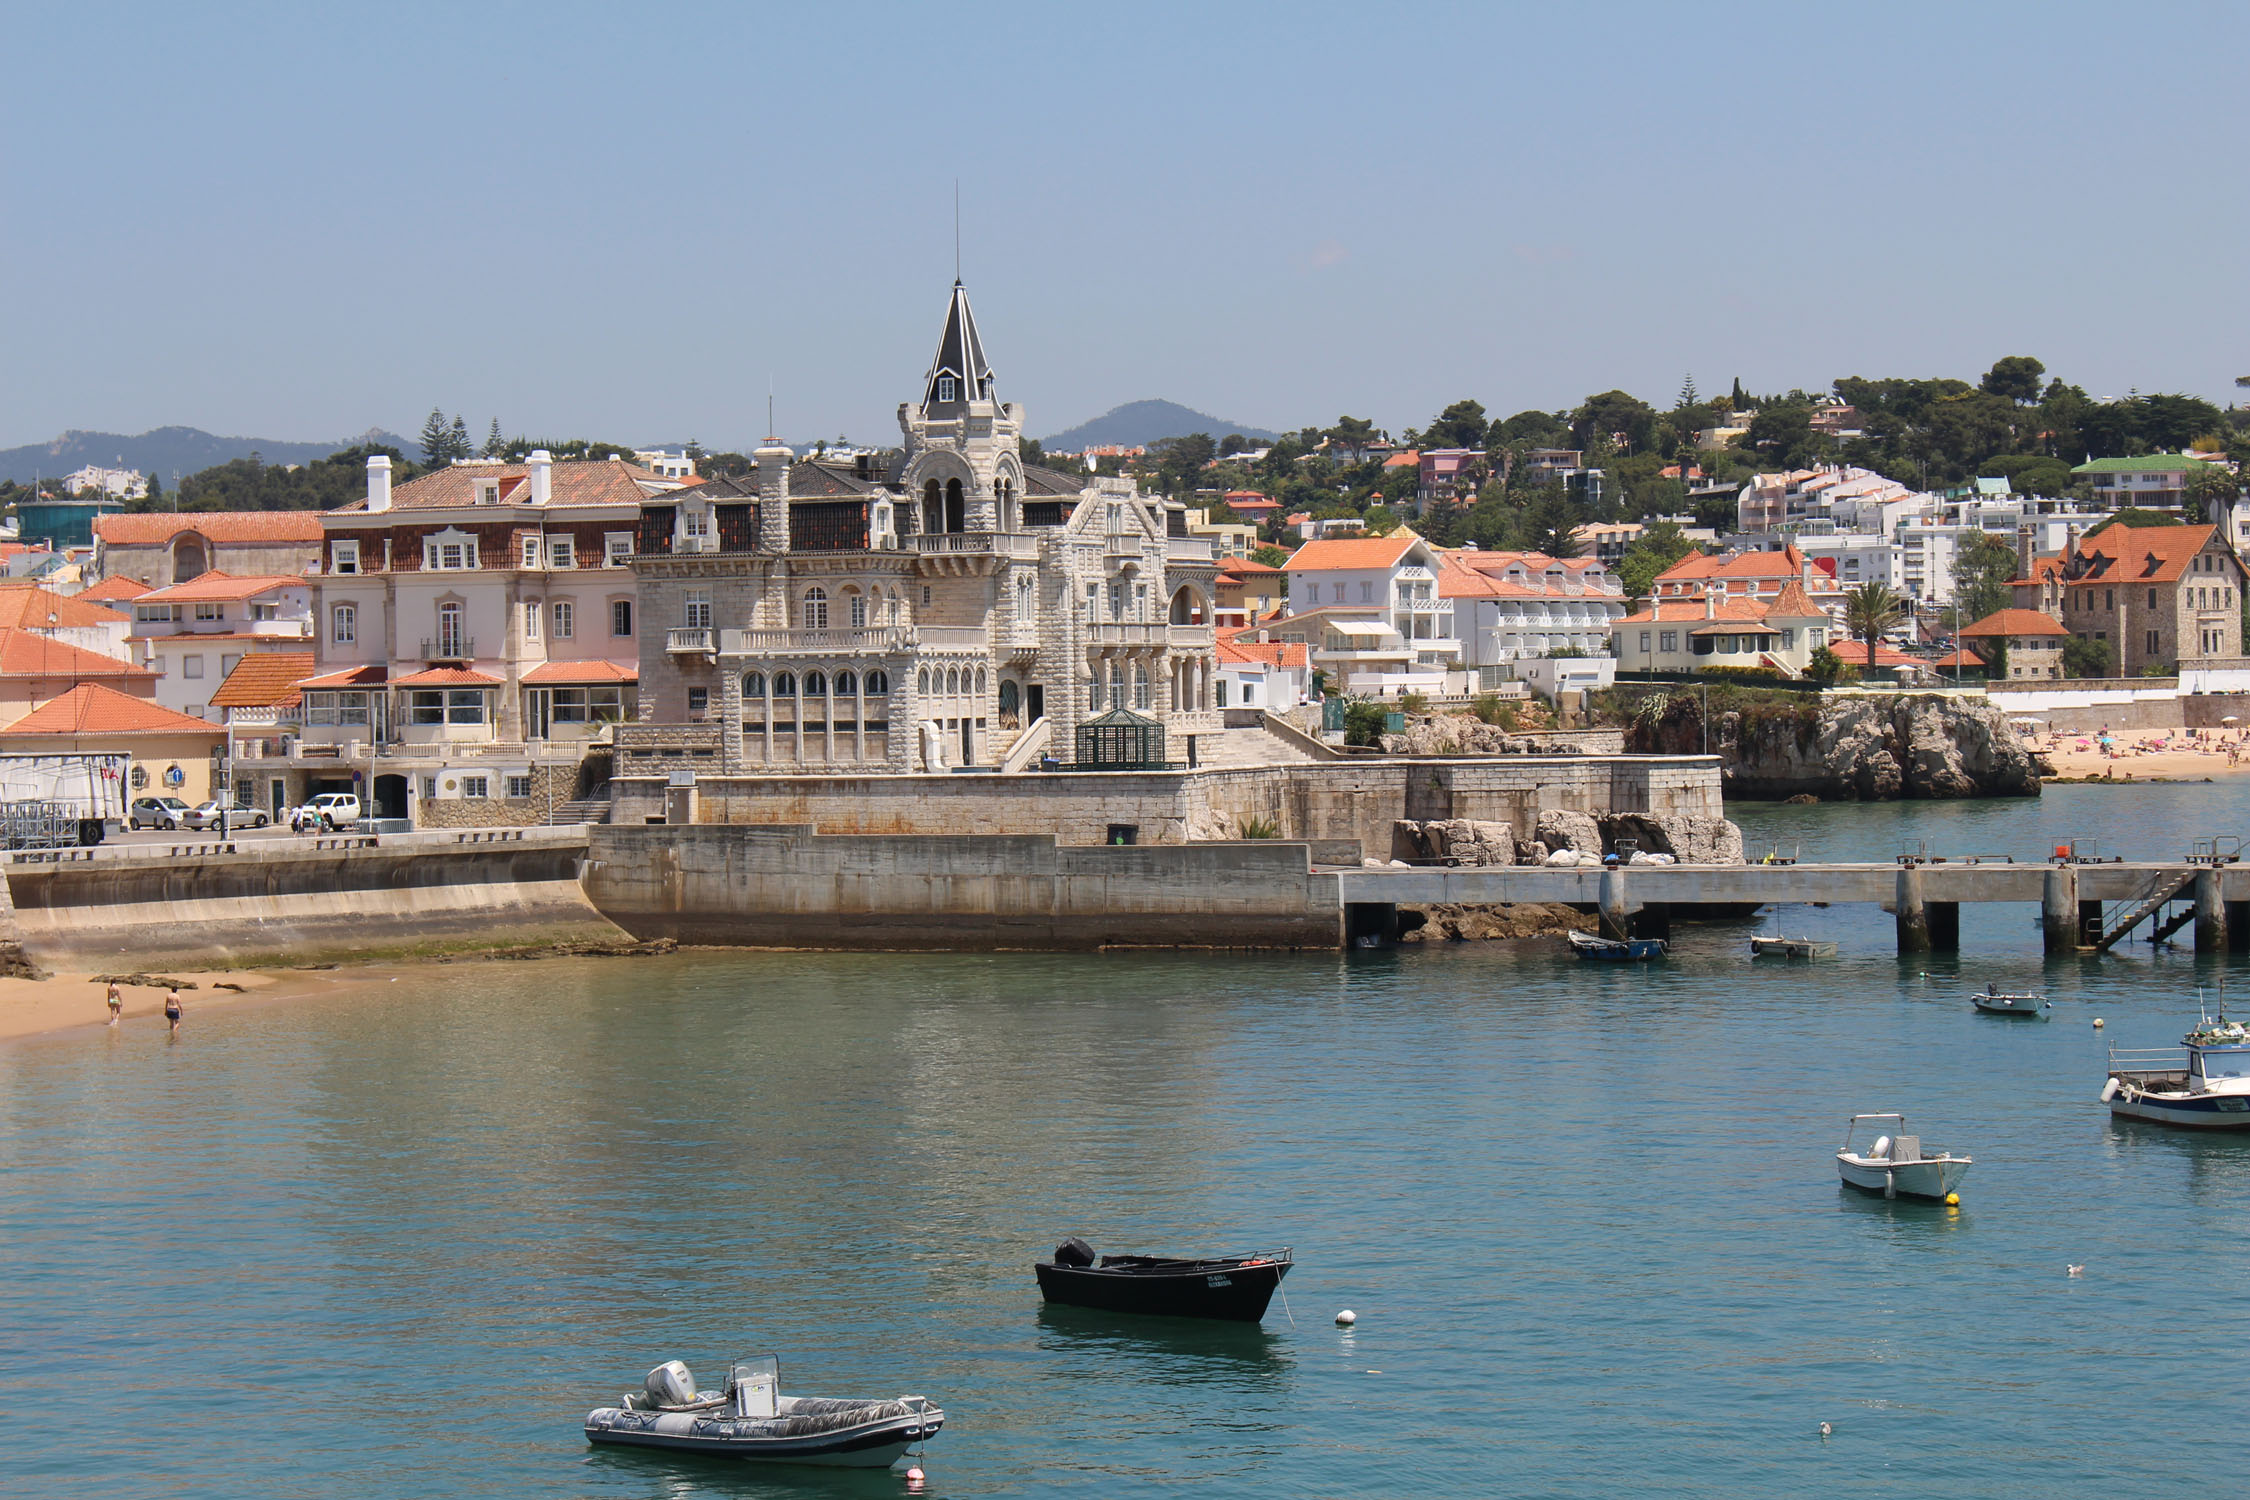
(116, 1003)
(172, 1010)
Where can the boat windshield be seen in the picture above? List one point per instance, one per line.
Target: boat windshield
(2226, 1062)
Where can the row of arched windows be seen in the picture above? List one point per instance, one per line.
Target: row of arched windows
(859, 610)
(1111, 687)
(817, 684)
(951, 681)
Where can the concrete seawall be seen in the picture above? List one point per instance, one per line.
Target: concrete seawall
(291, 903)
(792, 887)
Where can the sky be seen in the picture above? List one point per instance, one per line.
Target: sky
(629, 223)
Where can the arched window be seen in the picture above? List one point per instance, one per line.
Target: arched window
(1009, 698)
(980, 681)
(953, 682)
(814, 616)
(1140, 687)
(894, 607)
(859, 609)
(845, 685)
(1023, 596)
(956, 514)
(450, 639)
(816, 685)
(878, 684)
(922, 682)
(753, 684)
(784, 685)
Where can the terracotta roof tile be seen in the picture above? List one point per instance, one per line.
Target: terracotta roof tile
(113, 588)
(25, 606)
(2015, 622)
(264, 679)
(446, 677)
(33, 653)
(1270, 653)
(581, 671)
(349, 677)
(155, 528)
(2142, 554)
(92, 708)
(206, 588)
(1352, 552)
(572, 481)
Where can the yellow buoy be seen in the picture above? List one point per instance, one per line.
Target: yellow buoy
(1952, 1200)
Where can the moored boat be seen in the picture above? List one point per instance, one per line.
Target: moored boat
(1997, 1002)
(751, 1419)
(1233, 1288)
(1617, 950)
(1897, 1164)
(2203, 1084)
(1791, 947)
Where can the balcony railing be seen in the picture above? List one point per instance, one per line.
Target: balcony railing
(987, 543)
(1189, 636)
(450, 648)
(951, 637)
(690, 638)
(1189, 548)
(1126, 634)
(772, 642)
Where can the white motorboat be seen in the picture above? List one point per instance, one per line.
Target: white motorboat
(750, 1418)
(1897, 1164)
(2203, 1084)
(1994, 1001)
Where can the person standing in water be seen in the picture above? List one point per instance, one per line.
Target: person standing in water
(116, 1003)
(172, 1010)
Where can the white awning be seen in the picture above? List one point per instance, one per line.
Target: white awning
(1368, 628)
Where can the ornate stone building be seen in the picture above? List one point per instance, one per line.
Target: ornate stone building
(951, 606)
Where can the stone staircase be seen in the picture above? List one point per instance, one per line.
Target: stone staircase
(1234, 749)
(584, 810)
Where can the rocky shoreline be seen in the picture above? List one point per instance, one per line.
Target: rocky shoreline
(1844, 749)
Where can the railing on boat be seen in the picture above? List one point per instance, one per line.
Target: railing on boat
(2149, 1062)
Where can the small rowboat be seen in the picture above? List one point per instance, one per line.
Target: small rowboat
(2000, 1003)
(751, 1419)
(1897, 1165)
(1232, 1288)
(1789, 947)
(1616, 950)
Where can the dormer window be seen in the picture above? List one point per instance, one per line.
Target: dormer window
(449, 551)
(945, 388)
(488, 492)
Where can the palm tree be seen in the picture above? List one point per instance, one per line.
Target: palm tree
(1869, 610)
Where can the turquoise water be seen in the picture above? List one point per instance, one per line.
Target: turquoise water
(394, 1243)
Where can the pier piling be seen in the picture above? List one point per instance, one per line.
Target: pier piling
(1616, 921)
(2210, 913)
(1913, 913)
(2058, 909)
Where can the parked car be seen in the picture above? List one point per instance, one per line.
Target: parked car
(240, 815)
(340, 809)
(158, 812)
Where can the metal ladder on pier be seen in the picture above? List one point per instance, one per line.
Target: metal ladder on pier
(2168, 888)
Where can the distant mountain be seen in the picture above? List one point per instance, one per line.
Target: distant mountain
(170, 450)
(1139, 423)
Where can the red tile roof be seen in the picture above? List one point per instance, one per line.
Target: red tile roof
(264, 679)
(349, 677)
(91, 708)
(581, 671)
(113, 588)
(25, 606)
(1792, 603)
(1269, 653)
(2141, 554)
(155, 528)
(2015, 622)
(32, 653)
(208, 587)
(571, 481)
(446, 677)
(1352, 552)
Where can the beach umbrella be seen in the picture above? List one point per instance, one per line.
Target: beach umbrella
(2231, 719)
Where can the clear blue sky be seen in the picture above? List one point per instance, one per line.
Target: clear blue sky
(298, 221)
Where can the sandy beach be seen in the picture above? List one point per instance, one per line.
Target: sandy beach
(2146, 755)
(63, 1002)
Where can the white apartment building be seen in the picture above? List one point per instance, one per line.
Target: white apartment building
(1394, 578)
(124, 484)
(1514, 607)
(193, 634)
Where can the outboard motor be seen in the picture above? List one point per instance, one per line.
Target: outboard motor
(670, 1384)
(1074, 1252)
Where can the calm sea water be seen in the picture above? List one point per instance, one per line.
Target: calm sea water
(395, 1244)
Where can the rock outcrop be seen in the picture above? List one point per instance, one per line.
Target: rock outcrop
(1452, 922)
(1459, 841)
(1569, 830)
(1692, 841)
(1847, 748)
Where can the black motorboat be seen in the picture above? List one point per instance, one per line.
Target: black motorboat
(1232, 1288)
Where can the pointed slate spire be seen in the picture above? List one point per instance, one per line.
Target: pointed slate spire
(959, 373)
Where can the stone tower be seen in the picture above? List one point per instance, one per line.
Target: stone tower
(963, 472)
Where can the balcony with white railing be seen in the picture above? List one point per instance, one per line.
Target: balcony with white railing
(950, 637)
(1189, 637)
(885, 638)
(1015, 544)
(1126, 633)
(690, 639)
(1189, 549)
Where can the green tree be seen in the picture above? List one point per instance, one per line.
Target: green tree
(494, 443)
(2134, 516)
(1381, 520)
(458, 436)
(1782, 431)
(1827, 668)
(1613, 417)
(2014, 378)
(2212, 489)
(437, 440)
(2083, 656)
(1271, 556)
(2169, 423)
(1869, 610)
(1547, 526)
(1354, 434)
(155, 488)
(1179, 461)
(1652, 552)
(1981, 572)
(1461, 425)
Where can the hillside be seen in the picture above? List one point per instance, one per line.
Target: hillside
(1139, 423)
(167, 451)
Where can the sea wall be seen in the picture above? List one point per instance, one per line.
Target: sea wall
(1345, 800)
(275, 902)
(793, 887)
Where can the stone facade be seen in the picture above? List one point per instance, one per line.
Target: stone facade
(919, 617)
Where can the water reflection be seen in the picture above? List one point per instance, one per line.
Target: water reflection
(1169, 1351)
(694, 1476)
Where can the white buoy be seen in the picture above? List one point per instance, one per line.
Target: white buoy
(2097, 1023)
(1346, 1318)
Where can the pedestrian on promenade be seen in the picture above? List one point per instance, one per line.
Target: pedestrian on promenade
(116, 1003)
(172, 1010)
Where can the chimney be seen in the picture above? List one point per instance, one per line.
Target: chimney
(773, 462)
(542, 477)
(379, 482)
(1711, 603)
(2026, 550)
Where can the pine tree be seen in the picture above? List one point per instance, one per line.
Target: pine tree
(437, 442)
(1688, 397)
(459, 435)
(494, 444)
